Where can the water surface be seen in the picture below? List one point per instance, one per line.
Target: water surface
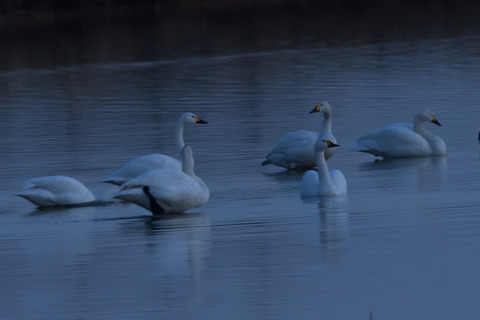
(403, 244)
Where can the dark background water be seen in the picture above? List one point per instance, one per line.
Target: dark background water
(81, 95)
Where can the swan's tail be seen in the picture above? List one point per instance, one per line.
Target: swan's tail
(359, 148)
(114, 180)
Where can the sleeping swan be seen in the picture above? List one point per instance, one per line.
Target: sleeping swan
(164, 191)
(323, 182)
(295, 149)
(55, 191)
(142, 164)
(401, 140)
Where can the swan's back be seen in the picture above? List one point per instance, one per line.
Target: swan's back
(56, 191)
(140, 165)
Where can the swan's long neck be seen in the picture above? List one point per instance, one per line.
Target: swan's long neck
(179, 137)
(420, 129)
(324, 178)
(187, 167)
(326, 123)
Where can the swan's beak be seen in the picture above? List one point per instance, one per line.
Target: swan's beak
(316, 109)
(330, 144)
(198, 120)
(436, 122)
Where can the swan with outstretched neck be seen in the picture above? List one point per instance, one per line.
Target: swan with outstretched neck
(403, 140)
(295, 149)
(323, 182)
(166, 191)
(142, 164)
(56, 191)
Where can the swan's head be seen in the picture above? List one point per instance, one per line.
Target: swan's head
(322, 145)
(427, 115)
(322, 107)
(189, 117)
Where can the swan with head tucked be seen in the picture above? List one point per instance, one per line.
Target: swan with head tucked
(142, 164)
(402, 140)
(323, 182)
(52, 191)
(295, 149)
(164, 191)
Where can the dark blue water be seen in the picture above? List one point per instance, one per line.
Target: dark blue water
(404, 243)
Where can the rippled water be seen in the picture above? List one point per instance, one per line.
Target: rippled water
(404, 243)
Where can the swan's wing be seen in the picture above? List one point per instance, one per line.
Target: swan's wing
(339, 181)
(39, 197)
(141, 165)
(158, 178)
(439, 148)
(164, 184)
(309, 185)
(294, 140)
(393, 141)
(294, 148)
(174, 190)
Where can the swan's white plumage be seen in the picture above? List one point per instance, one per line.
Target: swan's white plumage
(143, 164)
(140, 165)
(53, 191)
(323, 182)
(174, 191)
(401, 140)
(295, 149)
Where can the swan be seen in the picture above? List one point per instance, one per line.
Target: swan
(295, 149)
(52, 191)
(142, 164)
(323, 182)
(401, 140)
(167, 190)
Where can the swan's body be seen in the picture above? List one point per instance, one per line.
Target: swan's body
(142, 164)
(402, 140)
(295, 149)
(323, 182)
(164, 191)
(54, 191)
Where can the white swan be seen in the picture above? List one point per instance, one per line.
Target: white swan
(401, 140)
(54, 191)
(164, 191)
(295, 149)
(323, 182)
(142, 164)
